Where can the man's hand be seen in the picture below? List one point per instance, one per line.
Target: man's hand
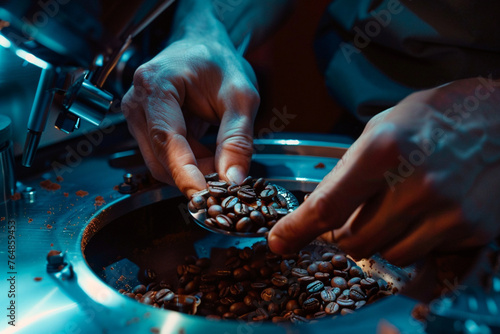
(189, 85)
(423, 177)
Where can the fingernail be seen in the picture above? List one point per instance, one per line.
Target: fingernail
(235, 174)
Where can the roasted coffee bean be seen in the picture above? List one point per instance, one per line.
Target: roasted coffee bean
(327, 256)
(223, 273)
(312, 269)
(292, 305)
(319, 315)
(356, 293)
(164, 296)
(305, 280)
(191, 207)
(356, 271)
(211, 222)
(325, 267)
(141, 288)
(228, 300)
(215, 210)
(368, 283)
(238, 308)
(341, 273)
(149, 276)
(299, 272)
(286, 267)
(259, 184)
(241, 210)
(212, 177)
(228, 203)
(244, 225)
(218, 184)
(266, 271)
(248, 181)
(262, 230)
(339, 261)
(345, 302)
(237, 289)
(232, 216)
(210, 297)
(328, 295)
(311, 305)
(212, 201)
(246, 195)
(204, 193)
(217, 192)
(279, 280)
(281, 212)
(268, 194)
(224, 222)
(229, 316)
(360, 304)
(199, 202)
(268, 294)
(315, 286)
(205, 288)
(270, 224)
(233, 190)
(323, 277)
(294, 290)
(332, 308)
(281, 201)
(339, 282)
(353, 281)
(258, 218)
(241, 274)
(269, 212)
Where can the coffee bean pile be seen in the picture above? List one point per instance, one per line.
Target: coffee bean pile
(254, 284)
(254, 206)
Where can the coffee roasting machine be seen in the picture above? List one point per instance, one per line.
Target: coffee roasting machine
(92, 198)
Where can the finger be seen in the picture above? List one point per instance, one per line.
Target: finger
(333, 202)
(377, 224)
(422, 241)
(235, 144)
(169, 143)
(137, 125)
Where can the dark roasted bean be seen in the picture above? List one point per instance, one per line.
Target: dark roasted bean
(212, 177)
(323, 277)
(258, 218)
(215, 210)
(203, 262)
(345, 302)
(332, 308)
(360, 304)
(294, 290)
(268, 294)
(311, 305)
(292, 304)
(241, 210)
(245, 253)
(228, 203)
(223, 273)
(325, 267)
(319, 315)
(217, 192)
(356, 271)
(244, 225)
(339, 282)
(238, 308)
(224, 222)
(286, 267)
(368, 283)
(279, 280)
(328, 296)
(218, 184)
(339, 261)
(315, 286)
(248, 181)
(199, 202)
(281, 212)
(281, 201)
(268, 194)
(233, 262)
(141, 288)
(346, 311)
(327, 256)
(269, 212)
(211, 222)
(312, 269)
(260, 184)
(164, 296)
(233, 189)
(212, 201)
(305, 280)
(193, 269)
(299, 272)
(246, 195)
(205, 193)
(356, 293)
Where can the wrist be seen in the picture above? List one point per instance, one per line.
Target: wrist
(195, 19)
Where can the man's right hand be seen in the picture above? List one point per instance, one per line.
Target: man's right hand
(197, 80)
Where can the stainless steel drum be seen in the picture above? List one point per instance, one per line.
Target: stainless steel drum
(108, 238)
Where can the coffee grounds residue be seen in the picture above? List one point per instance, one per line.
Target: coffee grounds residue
(81, 193)
(49, 185)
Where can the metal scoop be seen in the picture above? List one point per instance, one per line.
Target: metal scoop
(201, 215)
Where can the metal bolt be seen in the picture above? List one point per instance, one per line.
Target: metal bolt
(28, 194)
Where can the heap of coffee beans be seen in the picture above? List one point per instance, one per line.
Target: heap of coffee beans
(254, 284)
(254, 206)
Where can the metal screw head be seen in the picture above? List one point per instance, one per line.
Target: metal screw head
(29, 194)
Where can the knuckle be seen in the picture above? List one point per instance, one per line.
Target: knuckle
(143, 77)
(325, 210)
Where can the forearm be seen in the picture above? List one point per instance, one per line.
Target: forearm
(243, 21)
